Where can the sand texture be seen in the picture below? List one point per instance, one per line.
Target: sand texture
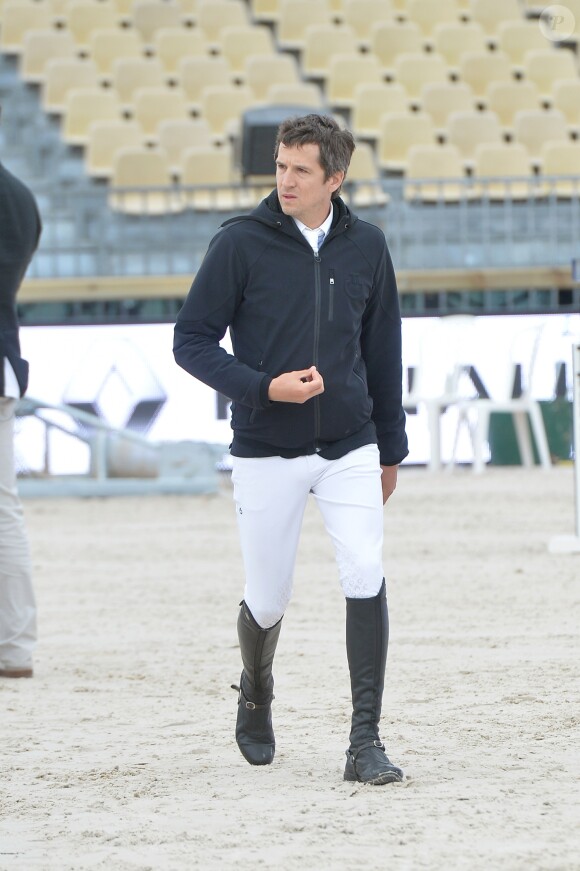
(120, 753)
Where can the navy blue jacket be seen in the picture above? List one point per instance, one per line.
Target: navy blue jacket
(289, 309)
(19, 234)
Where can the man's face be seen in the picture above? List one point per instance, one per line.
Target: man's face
(302, 189)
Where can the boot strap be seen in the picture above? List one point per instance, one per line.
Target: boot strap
(250, 706)
(353, 754)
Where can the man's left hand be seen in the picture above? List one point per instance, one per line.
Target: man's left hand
(388, 481)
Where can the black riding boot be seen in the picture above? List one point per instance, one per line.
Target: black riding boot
(367, 639)
(254, 732)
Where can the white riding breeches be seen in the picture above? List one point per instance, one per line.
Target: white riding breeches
(271, 494)
(17, 602)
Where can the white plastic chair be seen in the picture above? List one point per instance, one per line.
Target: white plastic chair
(476, 412)
(443, 356)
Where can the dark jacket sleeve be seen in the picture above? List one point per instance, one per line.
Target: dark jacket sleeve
(381, 351)
(208, 311)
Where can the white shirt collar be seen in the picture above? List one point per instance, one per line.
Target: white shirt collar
(312, 235)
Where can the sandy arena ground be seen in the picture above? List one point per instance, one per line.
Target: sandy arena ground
(120, 753)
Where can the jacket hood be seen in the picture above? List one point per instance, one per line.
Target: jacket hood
(269, 212)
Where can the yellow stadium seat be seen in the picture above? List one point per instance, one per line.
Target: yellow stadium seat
(302, 94)
(83, 106)
(131, 73)
(107, 45)
(321, 43)
(176, 135)
(223, 106)
(214, 15)
(240, 42)
(153, 105)
(172, 44)
(469, 129)
(479, 68)
(428, 14)
(265, 11)
(295, 17)
(515, 38)
(362, 187)
(435, 174)
(372, 101)
(440, 99)
(398, 132)
(264, 69)
(188, 11)
(124, 9)
(491, 13)
(146, 177)
(415, 70)
(82, 17)
(20, 17)
(451, 39)
(505, 170)
(362, 15)
(345, 72)
(507, 98)
(534, 128)
(389, 39)
(547, 66)
(197, 73)
(566, 98)
(149, 16)
(562, 159)
(209, 180)
(105, 138)
(62, 74)
(41, 46)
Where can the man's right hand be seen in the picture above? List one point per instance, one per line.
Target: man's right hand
(297, 386)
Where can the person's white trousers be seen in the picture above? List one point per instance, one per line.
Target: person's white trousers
(270, 495)
(17, 602)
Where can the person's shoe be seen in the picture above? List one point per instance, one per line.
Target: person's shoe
(370, 764)
(254, 732)
(9, 671)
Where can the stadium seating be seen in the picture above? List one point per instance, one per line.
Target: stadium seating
(562, 159)
(491, 13)
(41, 46)
(366, 189)
(440, 99)
(505, 170)
(295, 18)
(171, 44)
(62, 74)
(429, 15)
(399, 131)
(176, 135)
(146, 175)
(467, 130)
(18, 18)
(372, 101)
(548, 66)
(108, 45)
(443, 166)
(389, 39)
(516, 38)
(240, 42)
(321, 43)
(223, 106)
(507, 98)
(533, 128)
(83, 107)
(415, 70)
(451, 39)
(566, 98)
(148, 16)
(130, 74)
(214, 183)
(214, 15)
(479, 68)
(303, 94)
(197, 73)
(82, 17)
(263, 70)
(363, 15)
(345, 72)
(151, 105)
(105, 139)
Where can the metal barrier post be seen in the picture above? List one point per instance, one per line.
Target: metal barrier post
(571, 543)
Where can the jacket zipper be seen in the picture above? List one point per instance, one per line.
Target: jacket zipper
(317, 306)
(331, 295)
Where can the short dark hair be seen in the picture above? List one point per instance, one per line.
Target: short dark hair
(336, 145)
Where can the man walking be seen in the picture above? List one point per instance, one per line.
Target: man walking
(309, 295)
(19, 235)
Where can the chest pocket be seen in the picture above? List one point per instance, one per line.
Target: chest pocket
(356, 293)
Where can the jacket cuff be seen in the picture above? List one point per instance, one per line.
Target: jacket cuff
(265, 402)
